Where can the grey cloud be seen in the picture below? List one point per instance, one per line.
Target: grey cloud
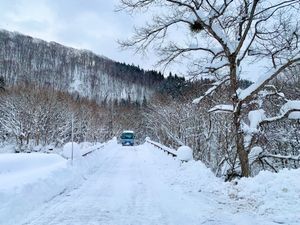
(90, 24)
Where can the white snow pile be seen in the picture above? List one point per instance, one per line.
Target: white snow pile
(79, 150)
(196, 177)
(271, 198)
(69, 147)
(7, 148)
(30, 179)
(191, 176)
(27, 180)
(185, 153)
(17, 170)
(275, 196)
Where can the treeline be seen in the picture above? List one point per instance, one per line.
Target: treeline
(33, 117)
(134, 74)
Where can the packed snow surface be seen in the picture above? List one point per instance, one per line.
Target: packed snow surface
(142, 185)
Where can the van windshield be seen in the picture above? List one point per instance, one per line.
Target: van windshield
(127, 136)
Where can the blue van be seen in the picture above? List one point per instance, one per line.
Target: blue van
(127, 138)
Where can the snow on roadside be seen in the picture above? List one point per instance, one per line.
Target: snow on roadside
(28, 180)
(17, 170)
(7, 148)
(274, 198)
(67, 150)
(192, 176)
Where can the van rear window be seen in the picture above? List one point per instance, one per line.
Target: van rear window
(127, 136)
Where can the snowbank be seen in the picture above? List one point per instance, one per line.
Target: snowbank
(67, 150)
(26, 180)
(272, 195)
(17, 170)
(7, 148)
(272, 198)
(192, 176)
(269, 197)
(29, 180)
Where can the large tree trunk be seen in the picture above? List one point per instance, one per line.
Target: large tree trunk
(239, 135)
(239, 141)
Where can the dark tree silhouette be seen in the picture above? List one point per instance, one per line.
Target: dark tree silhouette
(2, 83)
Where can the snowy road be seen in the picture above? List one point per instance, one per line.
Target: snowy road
(131, 187)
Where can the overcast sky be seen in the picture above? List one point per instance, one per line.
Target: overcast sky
(84, 24)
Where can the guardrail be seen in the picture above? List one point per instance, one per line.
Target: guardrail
(166, 149)
(92, 150)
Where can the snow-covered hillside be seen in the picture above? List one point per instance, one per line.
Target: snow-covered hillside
(24, 59)
(140, 185)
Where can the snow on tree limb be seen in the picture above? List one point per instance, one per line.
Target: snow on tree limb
(290, 110)
(255, 153)
(221, 108)
(256, 117)
(247, 94)
(212, 89)
(279, 156)
(291, 107)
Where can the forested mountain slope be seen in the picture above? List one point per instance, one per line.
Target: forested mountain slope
(24, 59)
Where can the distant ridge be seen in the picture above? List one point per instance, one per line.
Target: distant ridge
(28, 60)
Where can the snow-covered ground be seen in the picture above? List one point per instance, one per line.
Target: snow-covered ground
(118, 185)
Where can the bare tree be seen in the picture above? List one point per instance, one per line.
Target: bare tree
(223, 39)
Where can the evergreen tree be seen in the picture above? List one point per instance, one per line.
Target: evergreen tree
(2, 83)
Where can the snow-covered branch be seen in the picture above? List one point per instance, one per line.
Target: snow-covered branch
(221, 108)
(290, 110)
(247, 94)
(212, 89)
(279, 156)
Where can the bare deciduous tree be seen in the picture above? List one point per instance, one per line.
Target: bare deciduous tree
(223, 39)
